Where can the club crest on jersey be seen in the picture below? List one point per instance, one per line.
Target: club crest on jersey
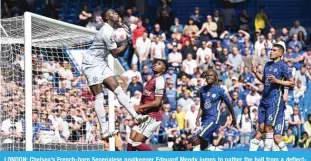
(207, 104)
(214, 95)
(146, 92)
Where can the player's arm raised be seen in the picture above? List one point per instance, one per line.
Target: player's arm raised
(258, 75)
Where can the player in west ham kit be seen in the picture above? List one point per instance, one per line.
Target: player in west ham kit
(95, 68)
(211, 97)
(151, 104)
(276, 76)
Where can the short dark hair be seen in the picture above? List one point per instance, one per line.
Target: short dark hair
(163, 61)
(279, 46)
(104, 13)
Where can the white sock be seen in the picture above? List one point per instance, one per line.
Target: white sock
(268, 141)
(282, 146)
(275, 147)
(125, 101)
(196, 148)
(100, 112)
(254, 144)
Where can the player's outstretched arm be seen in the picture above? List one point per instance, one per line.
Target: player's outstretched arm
(119, 51)
(258, 75)
(154, 104)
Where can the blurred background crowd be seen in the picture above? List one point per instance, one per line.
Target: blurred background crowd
(226, 40)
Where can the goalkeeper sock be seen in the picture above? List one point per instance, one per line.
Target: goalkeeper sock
(125, 101)
(100, 112)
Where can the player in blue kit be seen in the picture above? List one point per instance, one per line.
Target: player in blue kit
(276, 76)
(211, 97)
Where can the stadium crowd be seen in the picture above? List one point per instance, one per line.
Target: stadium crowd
(63, 106)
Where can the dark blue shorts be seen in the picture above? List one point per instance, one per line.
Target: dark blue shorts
(207, 131)
(272, 113)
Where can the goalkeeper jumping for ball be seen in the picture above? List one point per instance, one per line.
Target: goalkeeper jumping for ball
(95, 68)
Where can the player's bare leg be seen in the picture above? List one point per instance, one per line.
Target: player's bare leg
(100, 111)
(112, 84)
(138, 141)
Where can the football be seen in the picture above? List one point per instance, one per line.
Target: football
(119, 35)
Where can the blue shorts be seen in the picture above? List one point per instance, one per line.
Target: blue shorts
(207, 130)
(271, 112)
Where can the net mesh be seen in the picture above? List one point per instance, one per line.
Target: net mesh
(63, 114)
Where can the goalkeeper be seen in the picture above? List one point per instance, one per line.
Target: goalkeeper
(95, 68)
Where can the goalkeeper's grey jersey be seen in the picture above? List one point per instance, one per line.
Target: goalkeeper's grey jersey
(101, 46)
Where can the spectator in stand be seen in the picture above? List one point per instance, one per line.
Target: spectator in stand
(171, 95)
(185, 102)
(261, 19)
(307, 125)
(247, 58)
(146, 72)
(136, 98)
(245, 125)
(11, 128)
(172, 76)
(134, 86)
(190, 64)
(173, 42)
(299, 91)
(285, 35)
(187, 49)
(157, 49)
(190, 124)
(289, 139)
(196, 17)
(244, 21)
(147, 25)
(175, 57)
(305, 58)
(233, 42)
(180, 117)
(177, 26)
(165, 7)
(210, 27)
(166, 116)
(97, 14)
(235, 59)
(219, 21)
(191, 28)
(127, 76)
(305, 141)
(143, 46)
(296, 28)
(294, 42)
(202, 52)
(129, 19)
(231, 135)
(259, 45)
(296, 121)
(229, 16)
(139, 31)
(157, 33)
(84, 16)
(302, 75)
(165, 21)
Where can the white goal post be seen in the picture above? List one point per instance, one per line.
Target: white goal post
(42, 33)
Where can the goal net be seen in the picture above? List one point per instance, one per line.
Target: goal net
(45, 103)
